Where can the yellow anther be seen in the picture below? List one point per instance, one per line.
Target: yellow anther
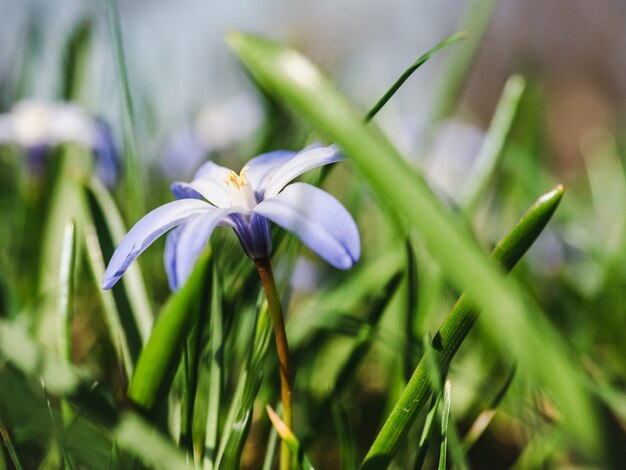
(238, 180)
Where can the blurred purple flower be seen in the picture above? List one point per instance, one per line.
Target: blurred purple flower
(37, 126)
(246, 202)
(215, 129)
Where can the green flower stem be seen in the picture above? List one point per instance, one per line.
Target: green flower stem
(264, 267)
(452, 333)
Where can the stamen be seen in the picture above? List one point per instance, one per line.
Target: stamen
(239, 180)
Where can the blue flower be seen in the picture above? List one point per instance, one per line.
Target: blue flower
(246, 202)
(37, 126)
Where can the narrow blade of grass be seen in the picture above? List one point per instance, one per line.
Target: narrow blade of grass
(346, 443)
(445, 420)
(480, 424)
(66, 297)
(476, 21)
(112, 319)
(493, 145)
(8, 445)
(130, 293)
(74, 60)
(138, 437)
(408, 72)
(66, 302)
(427, 430)
(289, 438)
(240, 412)
(152, 380)
(216, 376)
(132, 168)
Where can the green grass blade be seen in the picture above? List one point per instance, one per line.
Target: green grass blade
(130, 431)
(454, 330)
(152, 380)
(66, 202)
(493, 145)
(427, 430)
(346, 442)
(288, 75)
(61, 379)
(117, 333)
(138, 437)
(480, 424)
(130, 292)
(408, 72)
(66, 297)
(66, 302)
(290, 439)
(270, 454)
(456, 74)
(239, 416)
(215, 376)
(445, 421)
(74, 60)
(132, 168)
(8, 445)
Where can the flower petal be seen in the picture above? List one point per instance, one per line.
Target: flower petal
(306, 160)
(169, 257)
(205, 188)
(264, 165)
(318, 219)
(148, 229)
(212, 171)
(193, 238)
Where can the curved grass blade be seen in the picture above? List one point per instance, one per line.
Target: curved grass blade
(117, 333)
(132, 168)
(483, 420)
(270, 453)
(289, 438)
(445, 421)
(346, 443)
(128, 429)
(66, 302)
(408, 72)
(8, 445)
(66, 202)
(130, 293)
(427, 431)
(138, 437)
(476, 21)
(66, 297)
(491, 148)
(215, 376)
(240, 413)
(154, 374)
(524, 331)
(74, 60)
(453, 331)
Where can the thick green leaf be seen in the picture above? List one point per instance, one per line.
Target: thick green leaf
(160, 358)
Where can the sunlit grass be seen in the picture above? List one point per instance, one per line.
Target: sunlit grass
(390, 370)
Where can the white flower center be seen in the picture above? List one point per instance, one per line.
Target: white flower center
(239, 190)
